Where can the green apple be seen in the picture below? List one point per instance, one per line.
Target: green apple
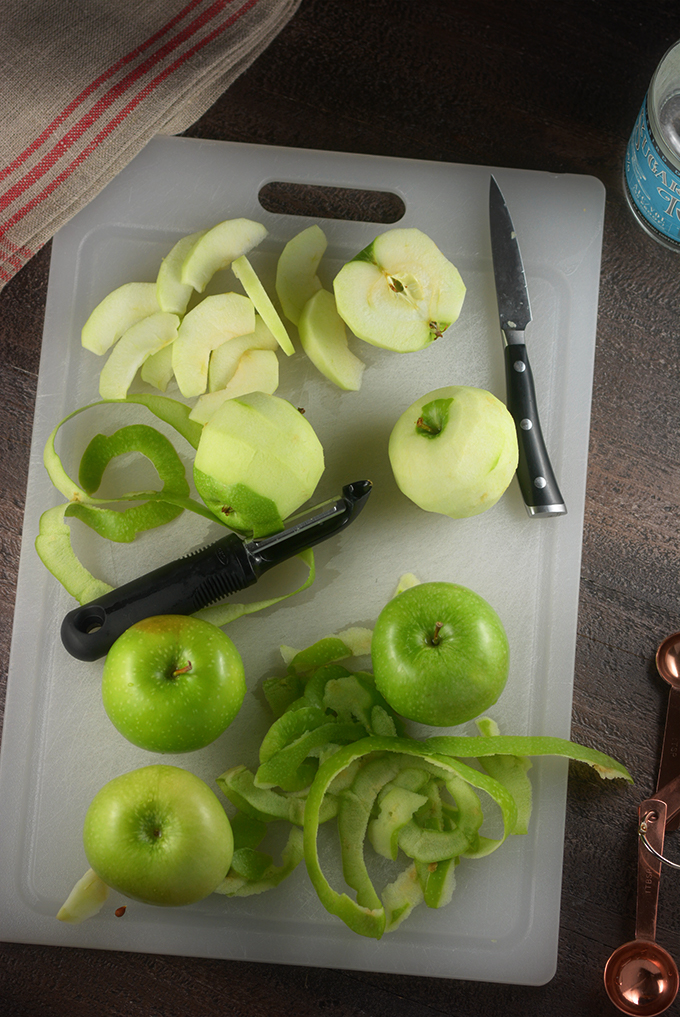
(136, 345)
(214, 321)
(224, 360)
(258, 460)
(172, 683)
(174, 295)
(250, 281)
(159, 835)
(400, 292)
(296, 278)
(454, 451)
(440, 654)
(217, 248)
(257, 371)
(116, 313)
(324, 339)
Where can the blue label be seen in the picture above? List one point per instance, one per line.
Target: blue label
(654, 185)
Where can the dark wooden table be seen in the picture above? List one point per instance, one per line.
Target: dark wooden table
(546, 86)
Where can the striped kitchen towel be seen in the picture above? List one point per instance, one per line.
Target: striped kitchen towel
(84, 85)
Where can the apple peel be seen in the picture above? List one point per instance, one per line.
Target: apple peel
(53, 542)
(237, 884)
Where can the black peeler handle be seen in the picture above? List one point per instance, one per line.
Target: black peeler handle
(180, 587)
(203, 577)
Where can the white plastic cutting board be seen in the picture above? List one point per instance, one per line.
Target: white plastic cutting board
(58, 746)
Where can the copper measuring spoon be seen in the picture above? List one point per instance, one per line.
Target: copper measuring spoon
(668, 666)
(640, 976)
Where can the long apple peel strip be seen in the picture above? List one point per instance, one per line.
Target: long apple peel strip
(53, 542)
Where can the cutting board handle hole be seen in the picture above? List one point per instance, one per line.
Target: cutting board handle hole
(321, 202)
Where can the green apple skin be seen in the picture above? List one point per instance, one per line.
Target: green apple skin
(172, 683)
(158, 835)
(440, 654)
(258, 460)
(454, 451)
(400, 293)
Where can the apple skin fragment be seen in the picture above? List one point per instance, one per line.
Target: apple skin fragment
(269, 875)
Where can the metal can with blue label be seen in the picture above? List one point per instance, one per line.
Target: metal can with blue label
(652, 163)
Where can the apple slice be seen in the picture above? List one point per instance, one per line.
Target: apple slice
(257, 371)
(212, 322)
(218, 247)
(116, 313)
(400, 292)
(247, 276)
(324, 339)
(296, 278)
(258, 460)
(86, 899)
(225, 359)
(157, 368)
(173, 295)
(141, 340)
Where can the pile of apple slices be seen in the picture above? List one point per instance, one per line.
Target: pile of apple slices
(400, 293)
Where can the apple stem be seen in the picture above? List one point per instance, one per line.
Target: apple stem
(436, 329)
(182, 670)
(422, 426)
(435, 637)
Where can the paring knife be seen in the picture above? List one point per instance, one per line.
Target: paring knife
(205, 576)
(537, 482)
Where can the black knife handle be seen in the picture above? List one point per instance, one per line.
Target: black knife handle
(180, 587)
(537, 482)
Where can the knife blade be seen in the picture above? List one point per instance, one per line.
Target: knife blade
(205, 576)
(535, 475)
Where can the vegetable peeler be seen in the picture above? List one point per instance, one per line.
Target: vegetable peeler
(203, 577)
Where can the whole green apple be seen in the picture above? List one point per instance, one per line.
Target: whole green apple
(172, 683)
(158, 835)
(440, 654)
(454, 451)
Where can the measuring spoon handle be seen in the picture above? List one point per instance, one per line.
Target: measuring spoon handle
(669, 767)
(652, 821)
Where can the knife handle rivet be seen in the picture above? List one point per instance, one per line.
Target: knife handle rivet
(526, 424)
(519, 366)
(540, 482)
